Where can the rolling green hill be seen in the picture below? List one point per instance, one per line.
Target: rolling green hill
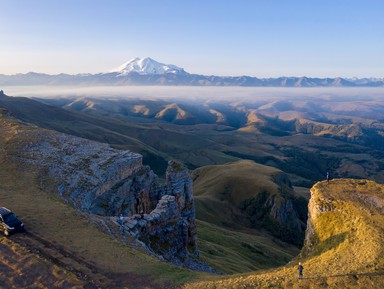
(234, 186)
(252, 202)
(303, 138)
(141, 137)
(249, 197)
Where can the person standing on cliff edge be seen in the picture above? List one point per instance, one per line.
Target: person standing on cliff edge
(327, 177)
(121, 222)
(300, 268)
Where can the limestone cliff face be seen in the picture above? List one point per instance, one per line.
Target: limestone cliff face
(180, 185)
(169, 229)
(318, 204)
(97, 179)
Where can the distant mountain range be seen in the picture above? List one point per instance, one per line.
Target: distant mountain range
(147, 71)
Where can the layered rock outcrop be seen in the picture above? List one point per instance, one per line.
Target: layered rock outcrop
(103, 181)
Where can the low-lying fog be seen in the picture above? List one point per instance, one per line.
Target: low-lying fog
(197, 92)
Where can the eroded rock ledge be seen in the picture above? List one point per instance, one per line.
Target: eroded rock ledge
(105, 182)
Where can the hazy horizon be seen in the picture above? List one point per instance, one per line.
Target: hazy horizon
(232, 93)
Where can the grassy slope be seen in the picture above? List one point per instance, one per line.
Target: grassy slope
(218, 191)
(221, 188)
(232, 251)
(347, 249)
(50, 219)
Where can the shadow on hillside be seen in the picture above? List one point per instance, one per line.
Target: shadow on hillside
(318, 247)
(332, 242)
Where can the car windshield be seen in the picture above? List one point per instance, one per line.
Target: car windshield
(9, 218)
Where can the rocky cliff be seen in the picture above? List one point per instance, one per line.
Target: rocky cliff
(345, 227)
(106, 183)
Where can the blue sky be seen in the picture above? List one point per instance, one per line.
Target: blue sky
(263, 38)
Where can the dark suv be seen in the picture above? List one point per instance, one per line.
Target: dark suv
(9, 223)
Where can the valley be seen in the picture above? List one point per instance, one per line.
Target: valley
(252, 163)
(339, 129)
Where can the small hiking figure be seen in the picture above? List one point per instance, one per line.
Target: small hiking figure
(121, 223)
(327, 177)
(300, 268)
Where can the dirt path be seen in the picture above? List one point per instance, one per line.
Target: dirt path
(22, 268)
(28, 261)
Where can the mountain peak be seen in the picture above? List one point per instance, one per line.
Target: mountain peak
(147, 66)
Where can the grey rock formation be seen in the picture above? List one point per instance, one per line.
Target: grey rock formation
(99, 180)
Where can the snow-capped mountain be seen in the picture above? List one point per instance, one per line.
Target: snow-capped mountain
(147, 71)
(147, 66)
